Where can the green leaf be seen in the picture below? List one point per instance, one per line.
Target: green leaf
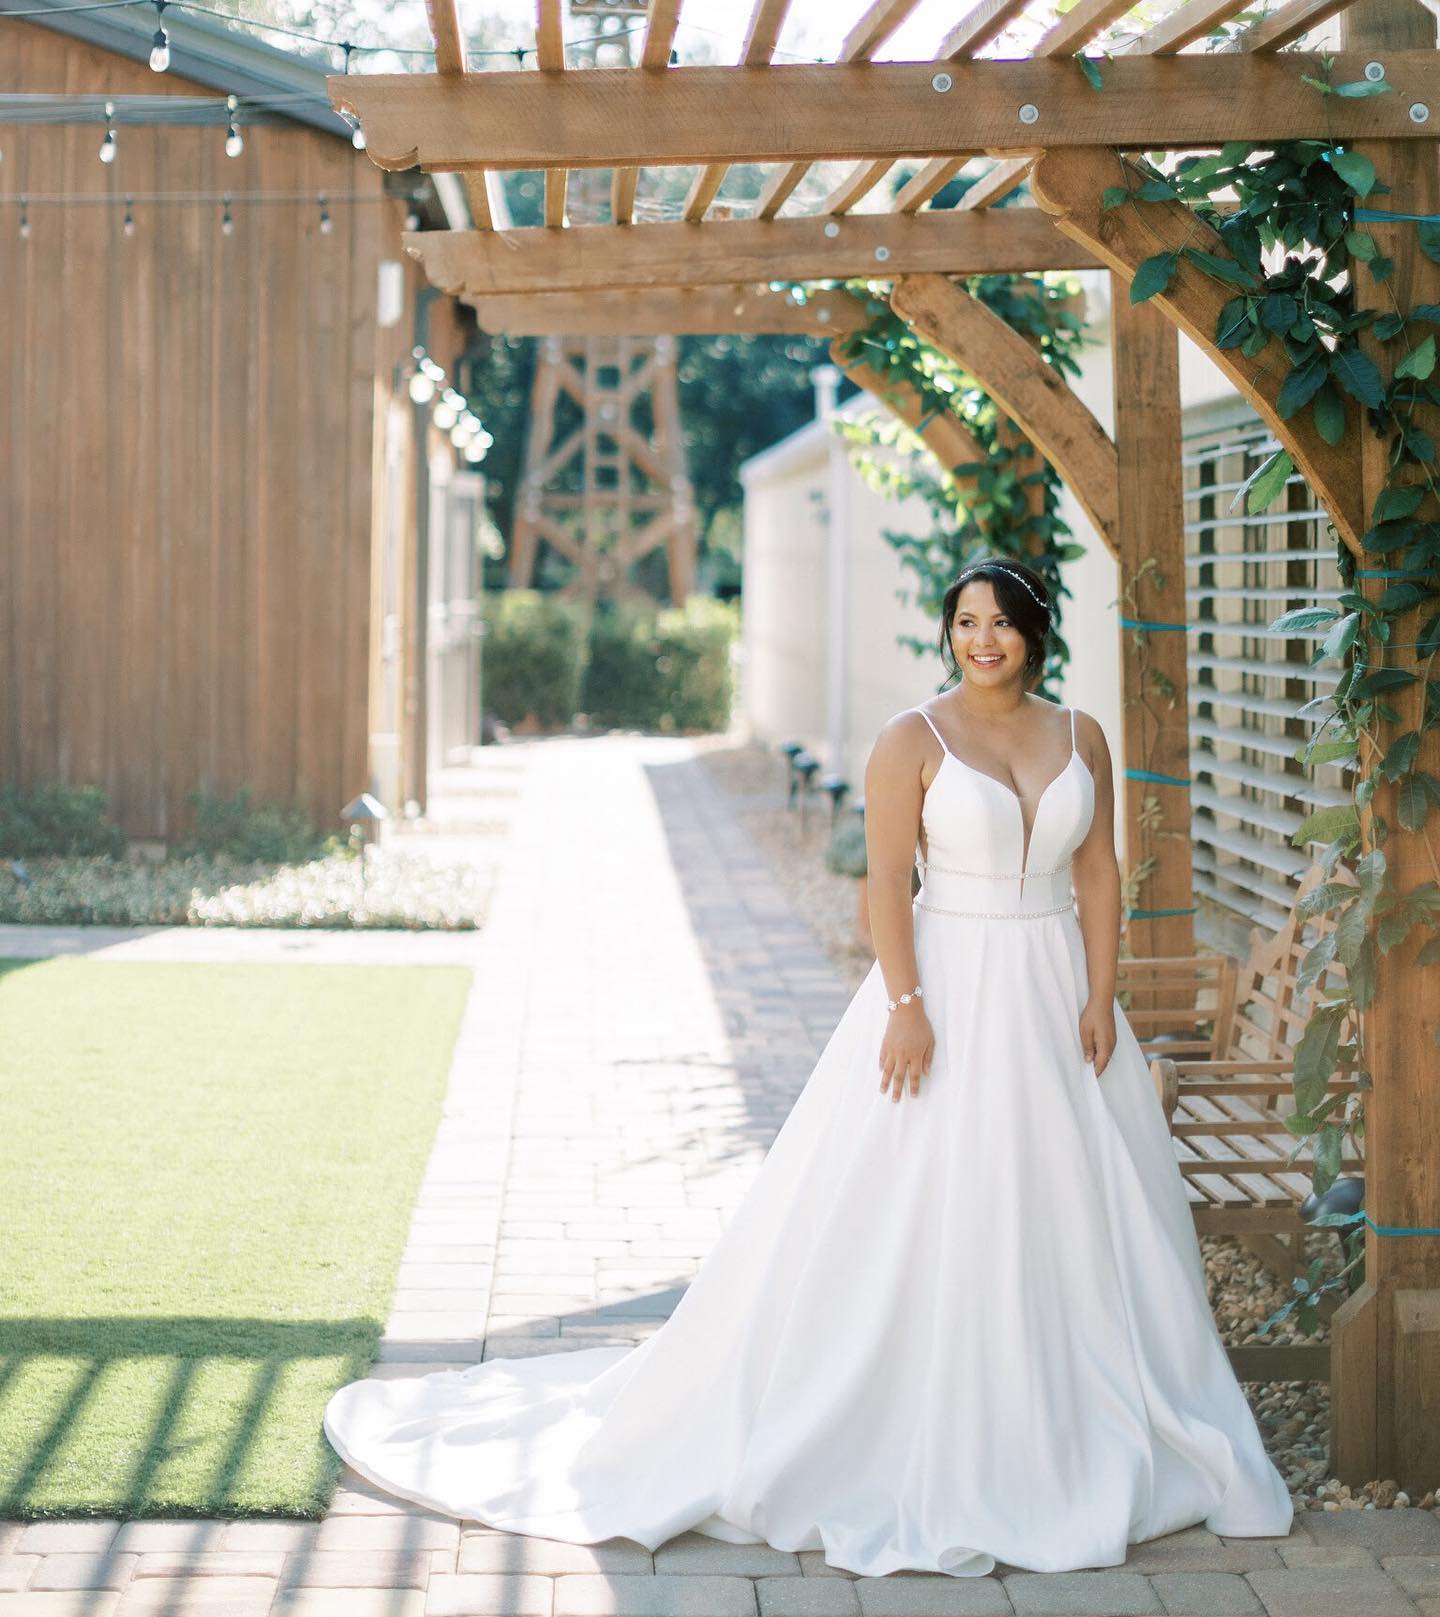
(1403, 501)
(1419, 362)
(1412, 804)
(1315, 1056)
(1302, 383)
(1359, 376)
(1339, 641)
(1361, 244)
(1427, 234)
(1401, 755)
(1329, 414)
(1362, 974)
(1429, 312)
(1154, 275)
(1322, 85)
(1263, 486)
(1350, 934)
(1234, 322)
(1278, 311)
(1301, 618)
(1326, 824)
(1091, 69)
(1358, 89)
(1222, 269)
(1114, 196)
(1388, 326)
(1357, 171)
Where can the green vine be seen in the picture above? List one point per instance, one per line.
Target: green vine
(1288, 243)
(1007, 503)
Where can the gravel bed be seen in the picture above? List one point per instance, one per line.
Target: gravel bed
(1294, 1416)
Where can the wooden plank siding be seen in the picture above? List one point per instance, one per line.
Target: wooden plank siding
(187, 435)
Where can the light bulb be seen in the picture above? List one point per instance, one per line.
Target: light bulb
(227, 222)
(444, 417)
(357, 138)
(160, 52)
(24, 228)
(234, 142)
(107, 147)
(327, 224)
(412, 220)
(476, 450)
(129, 226)
(459, 435)
(422, 388)
(455, 400)
(435, 372)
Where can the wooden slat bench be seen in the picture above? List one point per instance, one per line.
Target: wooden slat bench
(1221, 1038)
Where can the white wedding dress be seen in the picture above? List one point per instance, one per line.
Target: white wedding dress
(966, 1327)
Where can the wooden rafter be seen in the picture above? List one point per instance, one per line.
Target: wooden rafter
(1288, 23)
(1069, 185)
(660, 25)
(1032, 392)
(1185, 25)
(1071, 33)
(727, 252)
(880, 20)
(668, 310)
(875, 110)
(765, 23)
(550, 57)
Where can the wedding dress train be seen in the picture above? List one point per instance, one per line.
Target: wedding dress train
(963, 1328)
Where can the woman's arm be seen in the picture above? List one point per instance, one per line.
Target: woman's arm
(1095, 876)
(893, 796)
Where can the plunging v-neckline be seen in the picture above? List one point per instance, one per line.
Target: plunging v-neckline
(1027, 833)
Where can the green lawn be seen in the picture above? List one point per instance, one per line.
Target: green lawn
(206, 1178)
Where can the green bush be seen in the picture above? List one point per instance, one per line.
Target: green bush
(235, 828)
(846, 854)
(661, 670)
(57, 821)
(534, 655)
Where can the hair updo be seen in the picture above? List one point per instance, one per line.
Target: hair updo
(1023, 596)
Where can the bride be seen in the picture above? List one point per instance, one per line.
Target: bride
(964, 1327)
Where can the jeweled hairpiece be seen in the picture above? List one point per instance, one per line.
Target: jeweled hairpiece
(1018, 577)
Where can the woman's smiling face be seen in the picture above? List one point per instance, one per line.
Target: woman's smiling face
(989, 648)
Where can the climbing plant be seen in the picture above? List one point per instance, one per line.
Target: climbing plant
(1283, 228)
(1007, 503)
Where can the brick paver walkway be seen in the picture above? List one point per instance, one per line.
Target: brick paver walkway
(646, 1007)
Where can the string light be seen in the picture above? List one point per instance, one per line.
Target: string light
(227, 220)
(412, 220)
(160, 44)
(24, 218)
(327, 224)
(129, 225)
(234, 140)
(107, 146)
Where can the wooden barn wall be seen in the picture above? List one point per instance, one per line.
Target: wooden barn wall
(187, 427)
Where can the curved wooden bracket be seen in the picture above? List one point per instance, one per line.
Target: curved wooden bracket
(1069, 184)
(945, 436)
(1031, 392)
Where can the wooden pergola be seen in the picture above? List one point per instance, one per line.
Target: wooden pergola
(1046, 125)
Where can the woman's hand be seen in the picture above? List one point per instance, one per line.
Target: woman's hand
(906, 1049)
(1097, 1033)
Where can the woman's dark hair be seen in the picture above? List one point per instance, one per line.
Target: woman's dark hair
(1030, 612)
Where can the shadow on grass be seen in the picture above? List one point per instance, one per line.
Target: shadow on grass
(39, 1438)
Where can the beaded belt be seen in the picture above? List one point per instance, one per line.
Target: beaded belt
(995, 875)
(995, 915)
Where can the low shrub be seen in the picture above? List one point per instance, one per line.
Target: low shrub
(57, 821)
(236, 828)
(533, 654)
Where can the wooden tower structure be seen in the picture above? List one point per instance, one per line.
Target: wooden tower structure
(604, 479)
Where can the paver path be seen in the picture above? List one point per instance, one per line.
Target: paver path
(646, 1007)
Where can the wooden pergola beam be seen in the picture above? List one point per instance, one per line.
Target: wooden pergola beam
(675, 311)
(1028, 390)
(550, 58)
(870, 110)
(1070, 184)
(730, 252)
(660, 25)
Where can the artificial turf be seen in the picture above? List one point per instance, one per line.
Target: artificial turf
(206, 1179)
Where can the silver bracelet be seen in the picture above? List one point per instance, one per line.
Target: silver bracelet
(915, 993)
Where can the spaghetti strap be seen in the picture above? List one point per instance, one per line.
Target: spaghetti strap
(1072, 729)
(924, 715)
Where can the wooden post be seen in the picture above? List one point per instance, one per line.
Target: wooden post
(1386, 1338)
(1152, 591)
